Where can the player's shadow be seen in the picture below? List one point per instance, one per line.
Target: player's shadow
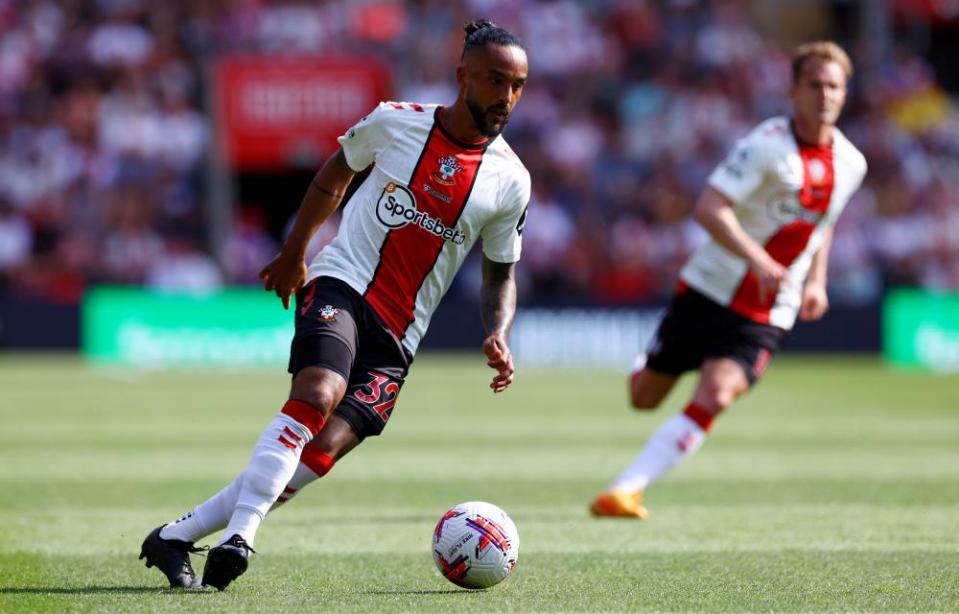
(421, 592)
(369, 519)
(353, 520)
(93, 590)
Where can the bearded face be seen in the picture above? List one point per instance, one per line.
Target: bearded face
(492, 85)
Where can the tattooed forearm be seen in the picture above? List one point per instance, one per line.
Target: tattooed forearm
(319, 188)
(498, 297)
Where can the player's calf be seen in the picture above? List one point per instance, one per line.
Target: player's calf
(314, 464)
(722, 381)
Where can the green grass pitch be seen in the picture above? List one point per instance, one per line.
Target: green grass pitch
(833, 486)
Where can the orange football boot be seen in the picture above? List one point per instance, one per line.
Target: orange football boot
(619, 504)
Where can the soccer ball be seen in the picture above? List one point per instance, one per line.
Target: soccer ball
(475, 545)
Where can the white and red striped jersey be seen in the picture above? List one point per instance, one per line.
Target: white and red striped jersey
(785, 194)
(429, 197)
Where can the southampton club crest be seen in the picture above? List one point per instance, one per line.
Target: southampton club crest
(328, 313)
(816, 171)
(449, 166)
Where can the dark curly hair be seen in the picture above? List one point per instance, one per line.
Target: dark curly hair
(482, 32)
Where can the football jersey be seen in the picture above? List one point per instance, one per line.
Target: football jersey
(786, 195)
(411, 223)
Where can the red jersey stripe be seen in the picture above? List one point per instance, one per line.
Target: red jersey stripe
(409, 253)
(789, 241)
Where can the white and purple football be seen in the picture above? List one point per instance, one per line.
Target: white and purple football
(475, 545)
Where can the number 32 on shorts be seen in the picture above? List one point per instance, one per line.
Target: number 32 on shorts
(381, 395)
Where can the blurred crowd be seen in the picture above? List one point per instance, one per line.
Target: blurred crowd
(104, 138)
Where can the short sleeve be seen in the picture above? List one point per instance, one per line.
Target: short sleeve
(502, 235)
(365, 139)
(742, 172)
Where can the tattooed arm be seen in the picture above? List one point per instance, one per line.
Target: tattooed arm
(498, 306)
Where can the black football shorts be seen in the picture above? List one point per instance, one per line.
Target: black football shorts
(695, 328)
(336, 329)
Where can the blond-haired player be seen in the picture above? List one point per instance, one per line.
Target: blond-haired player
(769, 208)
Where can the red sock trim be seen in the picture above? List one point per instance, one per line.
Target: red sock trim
(305, 414)
(700, 416)
(319, 462)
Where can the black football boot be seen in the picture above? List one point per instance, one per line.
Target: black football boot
(226, 562)
(172, 557)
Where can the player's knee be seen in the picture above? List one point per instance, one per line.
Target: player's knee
(648, 388)
(323, 397)
(715, 398)
(319, 388)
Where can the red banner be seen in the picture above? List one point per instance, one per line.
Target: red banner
(937, 12)
(275, 113)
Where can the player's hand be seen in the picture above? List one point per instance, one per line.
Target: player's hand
(815, 302)
(770, 275)
(285, 274)
(499, 358)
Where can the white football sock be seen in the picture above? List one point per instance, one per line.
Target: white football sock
(301, 478)
(314, 464)
(273, 463)
(206, 518)
(675, 440)
(214, 514)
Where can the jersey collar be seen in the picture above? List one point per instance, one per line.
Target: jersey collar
(462, 144)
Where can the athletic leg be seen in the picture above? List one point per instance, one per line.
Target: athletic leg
(333, 442)
(321, 357)
(648, 388)
(721, 382)
(251, 494)
(675, 348)
(316, 393)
